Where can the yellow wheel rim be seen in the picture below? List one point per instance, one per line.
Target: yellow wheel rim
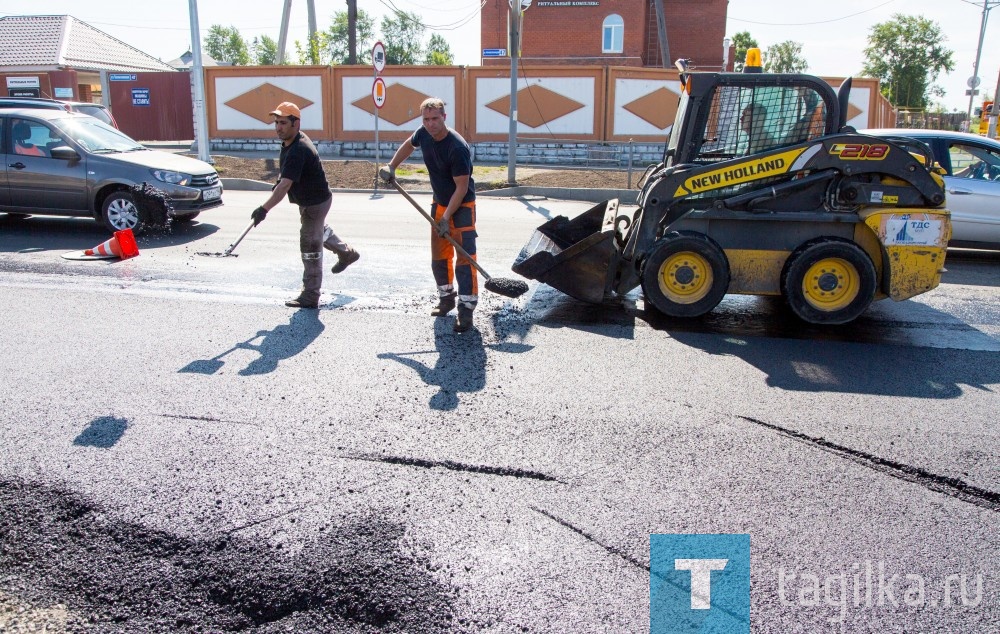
(685, 277)
(831, 284)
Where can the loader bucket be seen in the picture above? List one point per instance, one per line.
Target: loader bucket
(577, 257)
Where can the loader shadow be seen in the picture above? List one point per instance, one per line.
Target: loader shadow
(103, 432)
(281, 342)
(460, 365)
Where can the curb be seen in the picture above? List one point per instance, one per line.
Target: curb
(627, 196)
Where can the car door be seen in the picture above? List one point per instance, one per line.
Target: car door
(4, 191)
(37, 182)
(973, 189)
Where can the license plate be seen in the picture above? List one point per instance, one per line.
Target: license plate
(212, 194)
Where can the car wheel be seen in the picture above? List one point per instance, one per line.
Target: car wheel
(685, 275)
(186, 218)
(119, 212)
(828, 281)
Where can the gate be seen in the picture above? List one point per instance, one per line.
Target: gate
(153, 106)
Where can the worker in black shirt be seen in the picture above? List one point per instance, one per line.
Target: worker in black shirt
(302, 178)
(449, 164)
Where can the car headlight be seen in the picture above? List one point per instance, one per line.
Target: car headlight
(174, 178)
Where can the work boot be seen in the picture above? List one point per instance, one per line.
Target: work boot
(464, 320)
(298, 302)
(344, 260)
(446, 304)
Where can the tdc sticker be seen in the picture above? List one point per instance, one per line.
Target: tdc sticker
(699, 584)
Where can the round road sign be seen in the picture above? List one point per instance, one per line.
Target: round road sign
(973, 82)
(378, 57)
(378, 92)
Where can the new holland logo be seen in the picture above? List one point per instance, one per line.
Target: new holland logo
(741, 173)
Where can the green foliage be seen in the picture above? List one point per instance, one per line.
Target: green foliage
(906, 55)
(226, 44)
(785, 57)
(403, 34)
(742, 41)
(334, 42)
(308, 53)
(439, 52)
(264, 51)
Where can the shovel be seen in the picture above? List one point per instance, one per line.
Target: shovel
(229, 252)
(499, 285)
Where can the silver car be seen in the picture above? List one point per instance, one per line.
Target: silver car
(972, 182)
(68, 164)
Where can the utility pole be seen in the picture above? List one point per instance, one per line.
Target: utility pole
(283, 35)
(975, 67)
(515, 45)
(198, 78)
(313, 44)
(661, 32)
(352, 32)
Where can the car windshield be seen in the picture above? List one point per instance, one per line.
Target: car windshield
(96, 136)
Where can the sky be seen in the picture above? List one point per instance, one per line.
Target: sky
(833, 34)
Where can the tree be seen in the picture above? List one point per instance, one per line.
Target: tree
(333, 42)
(403, 34)
(439, 52)
(784, 57)
(225, 44)
(742, 41)
(264, 51)
(906, 55)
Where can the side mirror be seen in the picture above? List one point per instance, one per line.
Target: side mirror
(65, 153)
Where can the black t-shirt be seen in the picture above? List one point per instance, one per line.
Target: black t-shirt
(445, 159)
(299, 163)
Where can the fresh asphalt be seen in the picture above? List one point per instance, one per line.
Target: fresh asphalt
(179, 452)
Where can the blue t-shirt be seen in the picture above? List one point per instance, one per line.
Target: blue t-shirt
(445, 159)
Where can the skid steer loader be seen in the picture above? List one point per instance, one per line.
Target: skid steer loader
(763, 190)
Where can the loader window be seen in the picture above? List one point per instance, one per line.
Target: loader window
(747, 120)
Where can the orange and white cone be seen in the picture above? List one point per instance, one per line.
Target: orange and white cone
(121, 245)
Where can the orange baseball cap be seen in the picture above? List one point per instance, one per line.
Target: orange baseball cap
(286, 109)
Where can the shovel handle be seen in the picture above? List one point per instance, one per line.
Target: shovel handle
(429, 219)
(232, 247)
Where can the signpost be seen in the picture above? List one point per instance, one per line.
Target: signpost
(379, 94)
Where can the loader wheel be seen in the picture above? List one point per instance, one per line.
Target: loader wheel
(828, 281)
(685, 275)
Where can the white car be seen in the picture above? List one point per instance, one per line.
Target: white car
(972, 183)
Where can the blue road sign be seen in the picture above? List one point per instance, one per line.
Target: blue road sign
(494, 52)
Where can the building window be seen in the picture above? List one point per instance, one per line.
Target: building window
(614, 34)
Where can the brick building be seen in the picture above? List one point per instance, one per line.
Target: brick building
(608, 32)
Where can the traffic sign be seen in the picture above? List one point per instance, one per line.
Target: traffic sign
(973, 82)
(379, 92)
(969, 93)
(494, 52)
(378, 57)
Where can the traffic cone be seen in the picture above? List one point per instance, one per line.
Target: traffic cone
(121, 245)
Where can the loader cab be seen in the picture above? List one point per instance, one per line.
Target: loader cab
(725, 116)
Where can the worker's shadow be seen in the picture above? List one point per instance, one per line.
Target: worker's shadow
(460, 364)
(281, 342)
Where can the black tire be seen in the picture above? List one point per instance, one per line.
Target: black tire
(186, 218)
(685, 275)
(119, 212)
(828, 281)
